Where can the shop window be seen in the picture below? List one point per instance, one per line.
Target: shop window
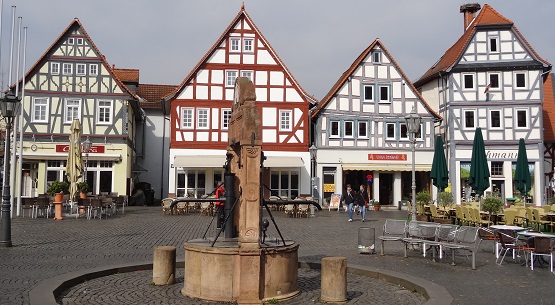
(191, 183)
(284, 183)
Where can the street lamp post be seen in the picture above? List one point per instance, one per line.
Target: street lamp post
(9, 106)
(313, 149)
(413, 127)
(87, 144)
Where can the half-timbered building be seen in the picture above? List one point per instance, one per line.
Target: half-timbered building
(201, 109)
(72, 80)
(361, 134)
(490, 78)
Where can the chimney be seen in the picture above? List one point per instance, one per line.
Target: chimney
(468, 11)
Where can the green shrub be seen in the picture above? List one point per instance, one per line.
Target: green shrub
(58, 187)
(444, 199)
(492, 204)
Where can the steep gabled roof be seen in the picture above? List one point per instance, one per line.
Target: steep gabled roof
(344, 77)
(76, 24)
(241, 15)
(152, 94)
(487, 17)
(548, 108)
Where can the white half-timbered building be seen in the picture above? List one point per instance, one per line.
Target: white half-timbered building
(72, 80)
(201, 109)
(361, 134)
(493, 79)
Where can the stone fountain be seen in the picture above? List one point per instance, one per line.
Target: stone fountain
(239, 268)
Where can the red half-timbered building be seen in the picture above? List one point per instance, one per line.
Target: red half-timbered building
(201, 108)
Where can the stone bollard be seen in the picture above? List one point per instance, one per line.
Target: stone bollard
(163, 267)
(334, 280)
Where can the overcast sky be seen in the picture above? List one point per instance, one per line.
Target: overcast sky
(317, 39)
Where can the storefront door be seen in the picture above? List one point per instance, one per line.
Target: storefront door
(386, 188)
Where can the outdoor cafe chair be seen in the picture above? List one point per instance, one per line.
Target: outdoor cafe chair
(27, 203)
(543, 246)
(510, 216)
(166, 204)
(290, 210)
(436, 214)
(541, 221)
(393, 230)
(302, 210)
(42, 207)
(508, 241)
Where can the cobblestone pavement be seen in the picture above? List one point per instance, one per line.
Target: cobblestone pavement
(44, 248)
(134, 288)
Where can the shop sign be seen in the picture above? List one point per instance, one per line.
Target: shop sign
(388, 157)
(329, 188)
(94, 149)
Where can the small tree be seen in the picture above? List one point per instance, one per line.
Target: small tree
(422, 198)
(444, 199)
(492, 204)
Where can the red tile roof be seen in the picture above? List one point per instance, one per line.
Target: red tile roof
(337, 86)
(127, 75)
(549, 109)
(152, 94)
(241, 15)
(487, 16)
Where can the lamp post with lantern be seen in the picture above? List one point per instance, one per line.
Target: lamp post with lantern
(413, 127)
(9, 106)
(313, 183)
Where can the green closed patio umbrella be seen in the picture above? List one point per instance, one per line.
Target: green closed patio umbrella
(439, 174)
(522, 172)
(479, 169)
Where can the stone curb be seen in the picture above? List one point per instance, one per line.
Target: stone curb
(46, 291)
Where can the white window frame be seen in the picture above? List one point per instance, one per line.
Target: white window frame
(67, 68)
(234, 44)
(196, 190)
(338, 133)
(387, 137)
(93, 69)
(406, 135)
(80, 41)
(187, 117)
(473, 83)
(346, 129)
(248, 48)
(226, 117)
(283, 191)
(527, 113)
(475, 121)
(498, 81)
(496, 39)
(203, 118)
(248, 74)
(373, 88)
(285, 120)
(230, 77)
(69, 115)
(376, 57)
(388, 100)
(81, 69)
(40, 106)
(101, 107)
(55, 68)
(525, 80)
(359, 125)
(491, 111)
(70, 40)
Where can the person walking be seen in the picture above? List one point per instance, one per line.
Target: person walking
(362, 201)
(348, 199)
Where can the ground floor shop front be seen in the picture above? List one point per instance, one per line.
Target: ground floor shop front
(386, 176)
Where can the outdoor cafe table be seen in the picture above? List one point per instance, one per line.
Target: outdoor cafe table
(504, 227)
(536, 234)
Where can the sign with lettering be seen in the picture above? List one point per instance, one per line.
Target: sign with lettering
(329, 188)
(94, 149)
(388, 157)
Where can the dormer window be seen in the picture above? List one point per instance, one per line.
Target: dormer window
(248, 45)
